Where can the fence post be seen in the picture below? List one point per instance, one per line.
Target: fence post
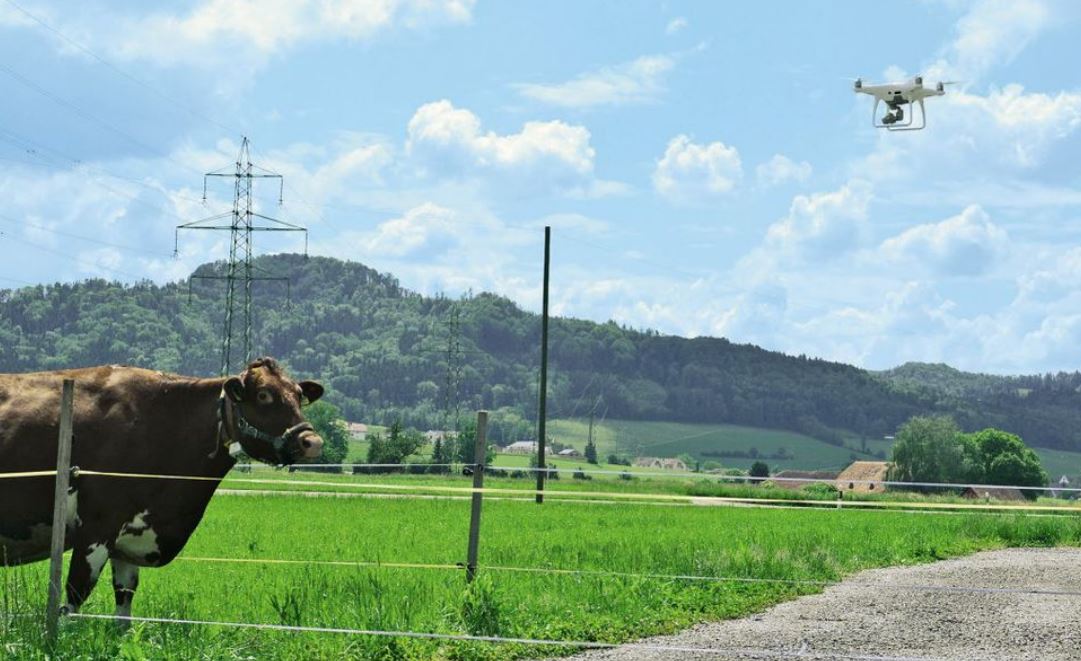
(480, 454)
(60, 506)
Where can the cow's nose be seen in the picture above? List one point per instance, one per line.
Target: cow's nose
(311, 445)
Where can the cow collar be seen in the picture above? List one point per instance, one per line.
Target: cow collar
(233, 427)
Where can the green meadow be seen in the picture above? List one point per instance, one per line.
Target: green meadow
(631, 538)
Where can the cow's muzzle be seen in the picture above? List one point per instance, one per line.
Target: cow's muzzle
(311, 445)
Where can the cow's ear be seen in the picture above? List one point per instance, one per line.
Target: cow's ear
(312, 390)
(234, 387)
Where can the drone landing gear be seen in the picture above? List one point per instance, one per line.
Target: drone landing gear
(894, 119)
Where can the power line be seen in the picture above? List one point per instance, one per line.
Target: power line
(86, 114)
(42, 228)
(157, 92)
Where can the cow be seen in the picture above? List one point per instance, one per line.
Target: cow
(132, 420)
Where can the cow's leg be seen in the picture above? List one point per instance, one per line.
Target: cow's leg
(125, 582)
(87, 561)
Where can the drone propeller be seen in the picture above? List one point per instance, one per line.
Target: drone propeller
(942, 84)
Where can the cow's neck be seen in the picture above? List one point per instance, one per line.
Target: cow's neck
(205, 455)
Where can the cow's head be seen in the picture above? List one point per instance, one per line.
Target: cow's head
(264, 414)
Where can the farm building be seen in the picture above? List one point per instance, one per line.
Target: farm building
(521, 447)
(658, 462)
(433, 435)
(863, 477)
(357, 430)
(825, 476)
(992, 493)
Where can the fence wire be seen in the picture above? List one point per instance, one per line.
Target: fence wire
(539, 642)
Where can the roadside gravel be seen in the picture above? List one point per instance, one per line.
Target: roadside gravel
(872, 616)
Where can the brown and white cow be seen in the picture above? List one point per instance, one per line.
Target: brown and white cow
(133, 420)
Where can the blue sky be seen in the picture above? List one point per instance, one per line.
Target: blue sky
(705, 166)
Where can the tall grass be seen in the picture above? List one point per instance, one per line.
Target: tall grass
(787, 544)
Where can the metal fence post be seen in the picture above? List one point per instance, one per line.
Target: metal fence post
(480, 455)
(60, 507)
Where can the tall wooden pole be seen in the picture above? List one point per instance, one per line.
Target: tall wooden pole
(480, 454)
(542, 408)
(60, 507)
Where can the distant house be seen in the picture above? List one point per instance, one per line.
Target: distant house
(658, 462)
(521, 447)
(358, 430)
(433, 435)
(569, 452)
(863, 477)
(978, 492)
(796, 480)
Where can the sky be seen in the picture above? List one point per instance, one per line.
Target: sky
(705, 167)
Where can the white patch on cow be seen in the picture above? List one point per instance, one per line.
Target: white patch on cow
(137, 539)
(73, 520)
(96, 557)
(125, 577)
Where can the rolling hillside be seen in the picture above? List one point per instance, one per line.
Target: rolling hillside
(382, 351)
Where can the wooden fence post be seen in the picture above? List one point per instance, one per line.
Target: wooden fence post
(480, 455)
(60, 507)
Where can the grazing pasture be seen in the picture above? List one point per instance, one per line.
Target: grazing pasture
(632, 538)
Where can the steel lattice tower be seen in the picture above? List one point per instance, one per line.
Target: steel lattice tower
(240, 271)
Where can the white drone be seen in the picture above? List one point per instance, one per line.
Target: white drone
(896, 96)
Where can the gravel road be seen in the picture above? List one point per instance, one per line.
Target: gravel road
(869, 616)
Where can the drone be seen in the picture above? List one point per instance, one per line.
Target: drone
(896, 96)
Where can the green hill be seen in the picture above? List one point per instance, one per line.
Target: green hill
(382, 352)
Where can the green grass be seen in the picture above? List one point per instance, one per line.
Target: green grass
(1059, 463)
(803, 544)
(669, 439)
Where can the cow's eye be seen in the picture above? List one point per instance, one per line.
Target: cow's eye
(265, 397)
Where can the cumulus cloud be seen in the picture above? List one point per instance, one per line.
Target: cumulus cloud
(966, 244)
(633, 82)
(418, 228)
(449, 138)
(780, 169)
(822, 225)
(688, 171)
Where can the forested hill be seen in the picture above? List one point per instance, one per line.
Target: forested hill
(383, 352)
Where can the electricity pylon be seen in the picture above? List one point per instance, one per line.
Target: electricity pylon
(243, 220)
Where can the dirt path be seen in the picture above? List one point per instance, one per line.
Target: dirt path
(868, 617)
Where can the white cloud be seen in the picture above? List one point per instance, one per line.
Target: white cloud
(633, 82)
(781, 169)
(449, 138)
(966, 244)
(246, 32)
(418, 228)
(992, 32)
(675, 25)
(822, 225)
(689, 171)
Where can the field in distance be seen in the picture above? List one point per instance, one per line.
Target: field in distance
(732, 446)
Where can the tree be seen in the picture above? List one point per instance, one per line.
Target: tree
(396, 447)
(328, 423)
(591, 452)
(928, 449)
(759, 469)
(994, 456)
